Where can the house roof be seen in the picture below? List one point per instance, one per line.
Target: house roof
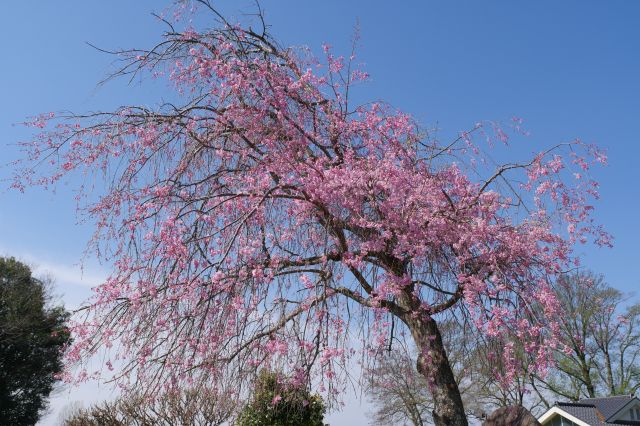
(611, 405)
(594, 411)
(588, 413)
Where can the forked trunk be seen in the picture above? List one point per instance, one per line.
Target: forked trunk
(434, 365)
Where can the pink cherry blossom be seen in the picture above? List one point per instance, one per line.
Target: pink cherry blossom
(265, 219)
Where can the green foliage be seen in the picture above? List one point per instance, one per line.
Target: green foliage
(277, 402)
(32, 336)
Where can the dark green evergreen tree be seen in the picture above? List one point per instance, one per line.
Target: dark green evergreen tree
(32, 338)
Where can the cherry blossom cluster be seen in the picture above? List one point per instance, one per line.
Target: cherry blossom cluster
(264, 220)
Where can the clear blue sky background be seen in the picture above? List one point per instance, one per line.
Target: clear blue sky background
(570, 69)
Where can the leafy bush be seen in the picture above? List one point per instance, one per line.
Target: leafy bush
(279, 402)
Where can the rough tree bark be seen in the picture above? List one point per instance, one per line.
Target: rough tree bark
(434, 365)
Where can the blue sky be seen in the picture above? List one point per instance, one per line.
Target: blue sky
(570, 69)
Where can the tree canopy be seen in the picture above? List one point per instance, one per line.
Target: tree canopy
(32, 338)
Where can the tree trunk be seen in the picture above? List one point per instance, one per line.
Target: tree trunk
(586, 376)
(434, 365)
(610, 381)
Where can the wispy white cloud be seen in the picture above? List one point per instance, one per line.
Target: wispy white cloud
(71, 274)
(60, 272)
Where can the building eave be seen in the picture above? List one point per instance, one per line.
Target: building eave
(557, 410)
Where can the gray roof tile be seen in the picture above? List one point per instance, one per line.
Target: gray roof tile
(585, 412)
(609, 406)
(596, 411)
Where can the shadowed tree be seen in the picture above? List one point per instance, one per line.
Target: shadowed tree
(32, 337)
(265, 218)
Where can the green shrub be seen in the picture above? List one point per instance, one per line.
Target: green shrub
(278, 402)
